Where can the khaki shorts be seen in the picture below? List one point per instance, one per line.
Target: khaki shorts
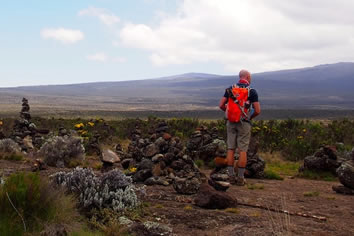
(239, 132)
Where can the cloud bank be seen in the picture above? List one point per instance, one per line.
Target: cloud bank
(255, 34)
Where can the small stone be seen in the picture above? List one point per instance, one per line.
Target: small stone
(219, 185)
(145, 164)
(142, 175)
(219, 177)
(157, 157)
(167, 136)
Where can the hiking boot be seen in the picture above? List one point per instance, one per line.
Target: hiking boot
(240, 181)
(232, 180)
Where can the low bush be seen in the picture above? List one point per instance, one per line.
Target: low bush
(28, 202)
(60, 151)
(111, 190)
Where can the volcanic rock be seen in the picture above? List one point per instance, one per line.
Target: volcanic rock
(186, 186)
(212, 199)
(142, 175)
(346, 174)
(109, 156)
(150, 150)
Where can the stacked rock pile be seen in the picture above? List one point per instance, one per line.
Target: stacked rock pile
(25, 132)
(161, 159)
(254, 168)
(325, 159)
(205, 144)
(346, 176)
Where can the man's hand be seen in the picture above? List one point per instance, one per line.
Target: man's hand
(222, 104)
(257, 109)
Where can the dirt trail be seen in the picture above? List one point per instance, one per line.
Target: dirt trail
(186, 219)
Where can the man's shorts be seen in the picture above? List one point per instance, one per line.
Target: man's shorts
(239, 132)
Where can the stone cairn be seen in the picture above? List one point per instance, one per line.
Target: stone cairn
(207, 145)
(25, 132)
(325, 159)
(161, 159)
(346, 176)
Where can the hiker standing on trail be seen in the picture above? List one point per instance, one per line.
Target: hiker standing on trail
(241, 105)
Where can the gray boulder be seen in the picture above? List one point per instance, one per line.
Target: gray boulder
(109, 156)
(186, 186)
(346, 174)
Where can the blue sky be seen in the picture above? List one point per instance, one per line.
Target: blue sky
(67, 41)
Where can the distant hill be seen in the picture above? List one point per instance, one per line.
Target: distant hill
(321, 87)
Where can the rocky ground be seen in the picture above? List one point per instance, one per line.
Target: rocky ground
(292, 194)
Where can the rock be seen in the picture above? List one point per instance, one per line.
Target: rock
(150, 150)
(343, 190)
(186, 186)
(178, 165)
(325, 159)
(157, 157)
(346, 174)
(109, 156)
(219, 177)
(212, 199)
(126, 163)
(145, 164)
(27, 141)
(167, 136)
(255, 167)
(156, 181)
(219, 185)
(150, 229)
(157, 169)
(142, 175)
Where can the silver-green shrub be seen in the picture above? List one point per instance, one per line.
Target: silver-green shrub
(111, 190)
(9, 146)
(59, 151)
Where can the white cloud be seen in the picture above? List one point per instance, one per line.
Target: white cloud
(66, 36)
(100, 56)
(103, 57)
(105, 16)
(255, 34)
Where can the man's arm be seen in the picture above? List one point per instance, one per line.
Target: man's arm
(222, 104)
(257, 109)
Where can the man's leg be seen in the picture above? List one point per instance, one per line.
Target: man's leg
(241, 164)
(230, 162)
(243, 139)
(231, 145)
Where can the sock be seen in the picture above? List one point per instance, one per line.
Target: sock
(241, 172)
(230, 170)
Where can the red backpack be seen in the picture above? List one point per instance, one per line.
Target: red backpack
(238, 97)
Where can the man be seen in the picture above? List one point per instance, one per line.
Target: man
(240, 131)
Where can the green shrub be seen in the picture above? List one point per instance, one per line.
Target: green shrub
(36, 201)
(199, 163)
(270, 174)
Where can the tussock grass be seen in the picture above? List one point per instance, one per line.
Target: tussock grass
(232, 210)
(255, 186)
(311, 194)
(29, 202)
(188, 208)
(317, 175)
